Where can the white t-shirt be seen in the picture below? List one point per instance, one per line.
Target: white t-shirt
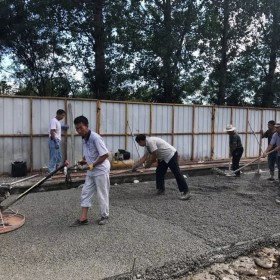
(164, 150)
(93, 148)
(56, 125)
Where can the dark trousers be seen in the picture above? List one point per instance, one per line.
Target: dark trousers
(174, 167)
(236, 156)
(271, 160)
(278, 166)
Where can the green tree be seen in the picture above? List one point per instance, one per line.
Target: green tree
(266, 50)
(224, 32)
(30, 36)
(160, 40)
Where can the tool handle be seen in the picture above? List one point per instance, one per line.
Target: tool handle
(256, 159)
(32, 187)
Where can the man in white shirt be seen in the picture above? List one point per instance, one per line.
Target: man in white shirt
(166, 156)
(95, 154)
(55, 140)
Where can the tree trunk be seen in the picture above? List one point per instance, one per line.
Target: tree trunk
(101, 80)
(168, 78)
(268, 96)
(223, 63)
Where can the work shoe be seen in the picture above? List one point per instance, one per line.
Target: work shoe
(271, 179)
(160, 192)
(103, 221)
(78, 223)
(185, 196)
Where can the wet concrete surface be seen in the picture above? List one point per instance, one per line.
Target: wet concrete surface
(148, 236)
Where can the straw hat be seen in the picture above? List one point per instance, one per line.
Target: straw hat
(230, 127)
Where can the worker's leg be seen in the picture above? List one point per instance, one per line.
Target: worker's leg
(160, 173)
(236, 156)
(174, 167)
(103, 188)
(88, 190)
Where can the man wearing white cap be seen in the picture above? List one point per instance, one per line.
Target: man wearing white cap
(235, 147)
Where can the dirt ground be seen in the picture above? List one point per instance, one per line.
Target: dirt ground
(246, 187)
(226, 219)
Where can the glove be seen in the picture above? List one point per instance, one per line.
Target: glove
(148, 164)
(56, 144)
(91, 166)
(134, 168)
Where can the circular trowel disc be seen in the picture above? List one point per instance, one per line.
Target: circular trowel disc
(11, 221)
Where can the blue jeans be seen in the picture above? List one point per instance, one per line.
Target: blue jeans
(55, 154)
(271, 160)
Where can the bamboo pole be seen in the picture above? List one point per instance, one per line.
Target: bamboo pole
(213, 132)
(151, 119)
(98, 117)
(193, 132)
(31, 135)
(172, 127)
(126, 123)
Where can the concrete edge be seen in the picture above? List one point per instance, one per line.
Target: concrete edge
(186, 266)
(60, 184)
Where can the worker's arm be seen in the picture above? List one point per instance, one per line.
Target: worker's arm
(140, 162)
(53, 134)
(98, 161)
(268, 149)
(151, 160)
(262, 134)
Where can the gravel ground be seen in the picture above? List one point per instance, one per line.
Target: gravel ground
(148, 236)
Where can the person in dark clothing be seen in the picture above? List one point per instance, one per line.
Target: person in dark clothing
(272, 158)
(235, 148)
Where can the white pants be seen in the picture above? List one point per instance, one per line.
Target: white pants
(100, 185)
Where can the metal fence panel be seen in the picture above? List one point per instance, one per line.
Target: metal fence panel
(239, 119)
(183, 144)
(112, 118)
(221, 146)
(222, 119)
(203, 119)
(201, 147)
(161, 119)
(183, 119)
(196, 131)
(15, 115)
(138, 117)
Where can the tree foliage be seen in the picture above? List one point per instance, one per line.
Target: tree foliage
(205, 51)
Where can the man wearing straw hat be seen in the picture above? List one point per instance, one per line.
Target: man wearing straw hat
(235, 147)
